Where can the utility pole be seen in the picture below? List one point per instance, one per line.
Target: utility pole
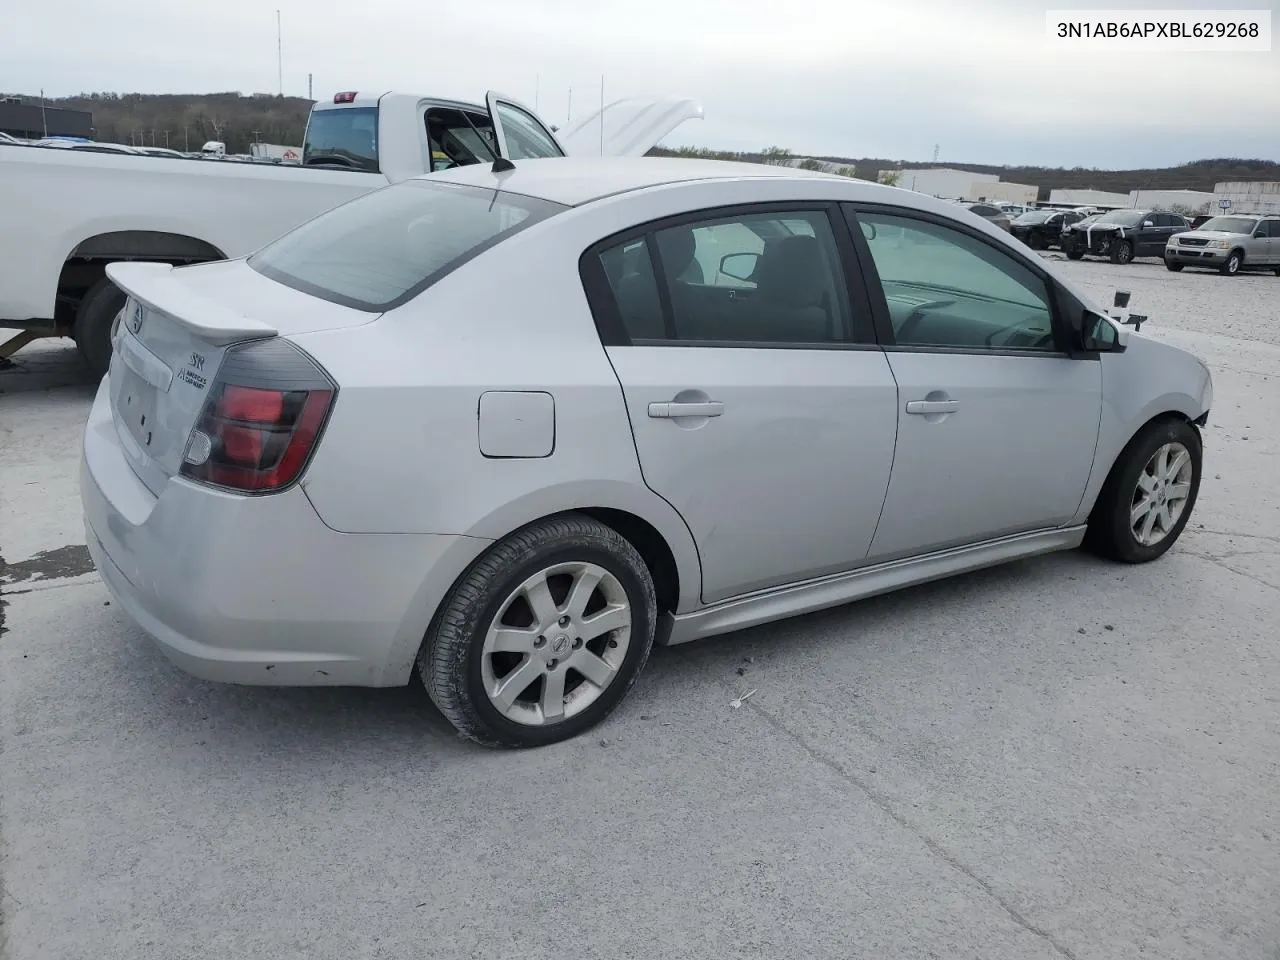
(935, 153)
(279, 55)
(43, 120)
(186, 139)
(309, 96)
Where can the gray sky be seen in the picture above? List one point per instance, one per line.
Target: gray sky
(890, 78)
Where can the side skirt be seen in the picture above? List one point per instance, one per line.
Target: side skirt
(825, 592)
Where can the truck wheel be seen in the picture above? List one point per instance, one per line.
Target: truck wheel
(1075, 254)
(1232, 265)
(1174, 265)
(1035, 242)
(1122, 252)
(92, 329)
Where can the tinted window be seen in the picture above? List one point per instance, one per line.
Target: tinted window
(762, 278)
(945, 288)
(379, 250)
(1271, 228)
(526, 138)
(1123, 218)
(1034, 216)
(347, 136)
(984, 211)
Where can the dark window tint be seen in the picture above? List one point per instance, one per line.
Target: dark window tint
(754, 278)
(377, 251)
(1270, 228)
(984, 211)
(345, 136)
(945, 288)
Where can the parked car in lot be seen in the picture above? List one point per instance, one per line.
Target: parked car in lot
(991, 213)
(504, 428)
(1042, 229)
(1122, 235)
(1228, 244)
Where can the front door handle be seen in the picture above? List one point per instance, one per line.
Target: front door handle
(674, 408)
(932, 406)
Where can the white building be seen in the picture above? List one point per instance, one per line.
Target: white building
(944, 182)
(1089, 198)
(1256, 196)
(1183, 201)
(1002, 190)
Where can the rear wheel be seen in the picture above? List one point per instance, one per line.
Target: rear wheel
(542, 638)
(92, 330)
(1122, 252)
(1173, 265)
(1232, 264)
(1035, 241)
(1075, 254)
(1277, 271)
(1148, 498)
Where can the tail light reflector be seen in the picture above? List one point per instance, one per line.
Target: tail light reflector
(262, 419)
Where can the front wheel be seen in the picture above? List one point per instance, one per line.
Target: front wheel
(1122, 252)
(1035, 242)
(543, 636)
(1232, 265)
(1075, 254)
(1173, 266)
(94, 318)
(1148, 498)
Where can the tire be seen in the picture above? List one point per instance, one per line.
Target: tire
(1075, 254)
(1172, 266)
(1122, 252)
(1111, 530)
(1232, 265)
(1276, 271)
(460, 674)
(92, 330)
(1035, 242)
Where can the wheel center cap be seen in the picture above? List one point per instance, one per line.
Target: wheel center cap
(559, 643)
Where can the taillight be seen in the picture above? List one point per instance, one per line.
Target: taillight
(347, 96)
(262, 419)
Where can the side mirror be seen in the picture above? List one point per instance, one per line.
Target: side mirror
(1148, 223)
(1098, 334)
(740, 266)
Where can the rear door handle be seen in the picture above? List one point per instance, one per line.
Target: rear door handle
(672, 409)
(932, 406)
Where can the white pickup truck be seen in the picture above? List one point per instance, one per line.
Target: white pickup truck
(66, 214)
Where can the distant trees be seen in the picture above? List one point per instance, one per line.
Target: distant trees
(186, 121)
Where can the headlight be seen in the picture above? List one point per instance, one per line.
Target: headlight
(1219, 244)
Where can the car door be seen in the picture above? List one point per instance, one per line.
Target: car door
(997, 424)
(624, 128)
(521, 135)
(1272, 252)
(1257, 248)
(761, 407)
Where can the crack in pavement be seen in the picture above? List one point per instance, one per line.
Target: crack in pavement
(62, 563)
(1217, 562)
(934, 847)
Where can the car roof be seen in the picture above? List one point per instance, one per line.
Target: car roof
(573, 181)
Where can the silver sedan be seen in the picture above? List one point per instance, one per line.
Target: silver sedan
(500, 430)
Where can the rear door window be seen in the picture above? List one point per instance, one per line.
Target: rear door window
(459, 138)
(343, 136)
(384, 248)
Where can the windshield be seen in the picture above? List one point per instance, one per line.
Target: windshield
(1229, 224)
(1034, 216)
(345, 136)
(1122, 218)
(384, 248)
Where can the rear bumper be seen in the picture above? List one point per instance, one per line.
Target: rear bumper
(257, 590)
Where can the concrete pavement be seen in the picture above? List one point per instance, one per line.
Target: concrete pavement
(1058, 758)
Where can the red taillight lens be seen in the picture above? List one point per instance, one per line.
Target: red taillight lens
(257, 439)
(347, 96)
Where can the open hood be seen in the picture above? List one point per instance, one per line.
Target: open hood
(628, 127)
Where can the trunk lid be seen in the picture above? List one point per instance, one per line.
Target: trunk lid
(171, 337)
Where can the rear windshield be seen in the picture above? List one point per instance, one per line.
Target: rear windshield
(381, 250)
(344, 136)
(1035, 216)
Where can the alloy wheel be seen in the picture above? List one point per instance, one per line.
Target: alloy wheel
(558, 642)
(1161, 494)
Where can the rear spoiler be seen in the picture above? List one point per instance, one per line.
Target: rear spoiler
(155, 286)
